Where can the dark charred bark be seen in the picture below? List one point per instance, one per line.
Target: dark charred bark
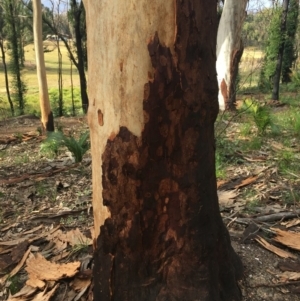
(276, 78)
(50, 123)
(6, 78)
(165, 239)
(235, 61)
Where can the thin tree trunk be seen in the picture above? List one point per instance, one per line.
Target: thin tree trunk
(229, 50)
(46, 113)
(6, 79)
(152, 79)
(77, 10)
(277, 75)
(72, 89)
(16, 60)
(60, 82)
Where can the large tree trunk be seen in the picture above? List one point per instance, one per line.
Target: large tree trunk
(276, 78)
(153, 91)
(46, 114)
(229, 50)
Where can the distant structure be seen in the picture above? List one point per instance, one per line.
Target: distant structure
(54, 37)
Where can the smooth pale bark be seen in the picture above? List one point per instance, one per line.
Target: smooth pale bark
(46, 114)
(229, 50)
(153, 102)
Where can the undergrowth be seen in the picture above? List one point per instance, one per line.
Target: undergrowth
(56, 140)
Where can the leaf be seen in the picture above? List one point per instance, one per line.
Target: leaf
(246, 182)
(226, 197)
(286, 276)
(291, 223)
(40, 268)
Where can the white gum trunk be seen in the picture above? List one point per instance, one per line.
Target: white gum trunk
(40, 62)
(228, 45)
(119, 67)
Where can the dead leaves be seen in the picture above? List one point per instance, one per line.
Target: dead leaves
(277, 251)
(44, 275)
(289, 239)
(39, 268)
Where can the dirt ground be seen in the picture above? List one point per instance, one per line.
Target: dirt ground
(41, 193)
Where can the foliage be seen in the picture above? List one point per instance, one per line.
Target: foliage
(260, 113)
(12, 9)
(272, 46)
(56, 140)
(274, 42)
(254, 28)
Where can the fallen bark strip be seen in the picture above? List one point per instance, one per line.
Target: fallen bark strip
(269, 217)
(31, 176)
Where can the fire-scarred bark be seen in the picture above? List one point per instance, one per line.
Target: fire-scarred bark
(161, 234)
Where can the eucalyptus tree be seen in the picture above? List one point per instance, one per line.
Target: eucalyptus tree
(46, 113)
(11, 14)
(153, 86)
(229, 50)
(3, 55)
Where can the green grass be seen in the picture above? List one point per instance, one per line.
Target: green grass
(30, 79)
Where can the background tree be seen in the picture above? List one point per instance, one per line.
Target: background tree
(77, 19)
(280, 52)
(78, 59)
(289, 54)
(229, 50)
(46, 113)
(154, 92)
(277, 74)
(271, 50)
(2, 48)
(11, 13)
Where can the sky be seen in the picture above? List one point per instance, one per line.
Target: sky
(254, 5)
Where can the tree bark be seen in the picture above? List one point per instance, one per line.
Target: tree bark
(77, 10)
(16, 67)
(6, 77)
(152, 82)
(46, 113)
(229, 50)
(277, 75)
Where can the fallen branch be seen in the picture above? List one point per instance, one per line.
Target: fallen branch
(269, 217)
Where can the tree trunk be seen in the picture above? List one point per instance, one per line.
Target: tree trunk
(276, 78)
(229, 50)
(152, 82)
(46, 113)
(77, 10)
(6, 78)
(16, 68)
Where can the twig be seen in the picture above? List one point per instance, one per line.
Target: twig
(274, 284)
(270, 217)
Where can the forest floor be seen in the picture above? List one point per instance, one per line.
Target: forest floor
(46, 215)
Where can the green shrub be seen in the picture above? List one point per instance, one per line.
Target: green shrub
(260, 113)
(56, 140)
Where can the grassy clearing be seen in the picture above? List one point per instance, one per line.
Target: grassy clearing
(30, 78)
